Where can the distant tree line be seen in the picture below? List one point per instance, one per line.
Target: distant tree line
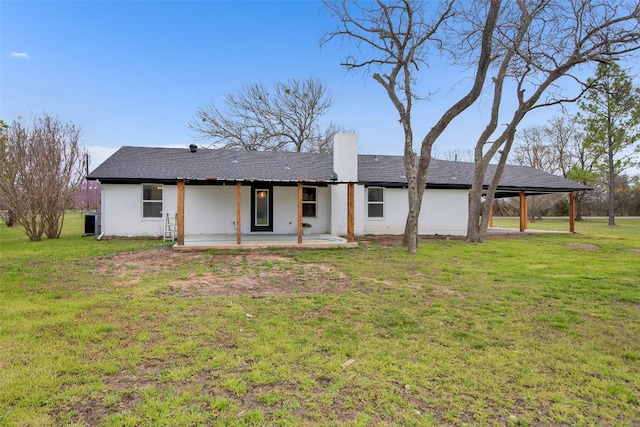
(597, 147)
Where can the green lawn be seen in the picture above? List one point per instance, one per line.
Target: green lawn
(536, 330)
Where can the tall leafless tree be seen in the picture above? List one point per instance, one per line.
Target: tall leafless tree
(538, 44)
(558, 147)
(393, 40)
(565, 139)
(534, 150)
(285, 117)
(41, 167)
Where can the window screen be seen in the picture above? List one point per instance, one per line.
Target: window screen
(375, 205)
(151, 201)
(309, 202)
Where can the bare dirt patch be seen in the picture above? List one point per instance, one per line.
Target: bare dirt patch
(256, 273)
(261, 274)
(583, 246)
(133, 265)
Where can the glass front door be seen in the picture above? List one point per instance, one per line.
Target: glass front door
(262, 208)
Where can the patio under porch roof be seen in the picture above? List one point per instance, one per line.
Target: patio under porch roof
(256, 241)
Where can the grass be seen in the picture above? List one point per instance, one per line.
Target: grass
(519, 331)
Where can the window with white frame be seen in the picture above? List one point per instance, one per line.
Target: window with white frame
(309, 202)
(151, 201)
(375, 202)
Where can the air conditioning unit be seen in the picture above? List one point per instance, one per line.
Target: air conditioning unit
(92, 224)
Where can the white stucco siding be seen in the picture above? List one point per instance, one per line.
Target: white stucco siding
(285, 210)
(345, 157)
(209, 209)
(122, 210)
(212, 210)
(443, 212)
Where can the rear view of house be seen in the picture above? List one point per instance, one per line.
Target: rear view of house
(226, 192)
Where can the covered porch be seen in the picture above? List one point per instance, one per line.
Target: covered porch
(244, 240)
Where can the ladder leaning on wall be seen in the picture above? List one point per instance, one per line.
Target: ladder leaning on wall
(169, 226)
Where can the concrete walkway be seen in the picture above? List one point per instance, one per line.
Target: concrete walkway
(256, 241)
(498, 230)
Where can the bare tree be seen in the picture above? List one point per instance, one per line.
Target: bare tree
(558, 147)
(537, 44)
(393, 41)
(534, 150)
(41, 167)
(285, 117)
(6, 212)
(565, 139)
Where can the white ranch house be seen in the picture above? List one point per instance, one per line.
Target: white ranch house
(206, 192)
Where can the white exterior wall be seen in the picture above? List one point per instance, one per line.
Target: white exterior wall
(285, 211)
(345, 157)
(122, 210)
(443, 212)
(210, 209)
(339, 209)
(339, 212)
(207, 210)
(345, 165)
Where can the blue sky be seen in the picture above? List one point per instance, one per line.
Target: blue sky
(134, 73)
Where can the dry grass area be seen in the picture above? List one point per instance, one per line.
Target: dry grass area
(258, 273)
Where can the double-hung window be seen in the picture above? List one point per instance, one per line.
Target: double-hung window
(309, 202)
(151, 201)
(375, 202)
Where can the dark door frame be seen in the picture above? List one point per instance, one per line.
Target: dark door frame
(255, 187)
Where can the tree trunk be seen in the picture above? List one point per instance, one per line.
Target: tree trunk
(410, 237)
(612, 183)
(411, 232)
(475, 205)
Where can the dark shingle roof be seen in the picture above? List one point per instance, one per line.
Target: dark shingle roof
(169, 164)
(373, 169)
(139, 164)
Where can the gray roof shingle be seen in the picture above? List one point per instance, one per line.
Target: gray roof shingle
(139, 164)
(169, 164)
(374, 169)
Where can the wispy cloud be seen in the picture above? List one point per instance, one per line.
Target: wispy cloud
(19, 55)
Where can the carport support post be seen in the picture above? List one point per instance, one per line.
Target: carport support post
(238, 210)
(491, 216)
(350, 212)
(523, 212)
(180, 214)
(299, 213)
(572, 212)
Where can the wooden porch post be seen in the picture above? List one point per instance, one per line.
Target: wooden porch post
(526, 212)
(572, 212)
(491, 216)
(180, 213)
(523, 212)
(238, 213)
(299, 213)
(350, 211)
